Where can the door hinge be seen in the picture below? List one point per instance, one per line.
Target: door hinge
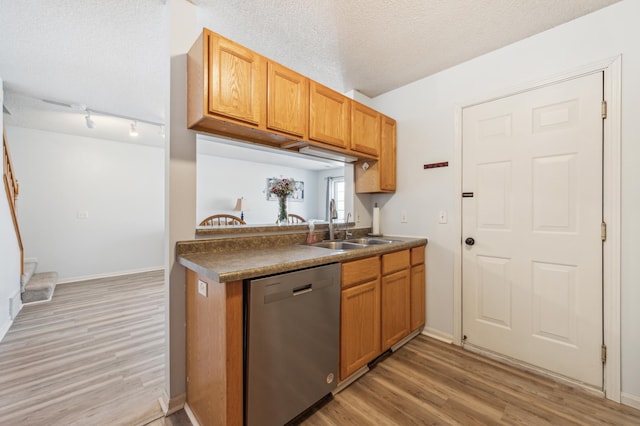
(603, 231)
(603, 353)
(604, 109)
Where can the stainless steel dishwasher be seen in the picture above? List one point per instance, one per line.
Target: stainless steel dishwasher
(292, 342)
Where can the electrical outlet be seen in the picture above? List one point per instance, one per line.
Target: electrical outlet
(442, 218)
(404, 217)
(202, 288)
(82, 214)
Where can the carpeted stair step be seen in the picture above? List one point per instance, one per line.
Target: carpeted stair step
(40, 287)
(29, 270)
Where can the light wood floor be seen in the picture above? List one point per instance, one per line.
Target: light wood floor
(94, 355)
(430, 382)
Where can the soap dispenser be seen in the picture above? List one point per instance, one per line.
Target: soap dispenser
(311, 238)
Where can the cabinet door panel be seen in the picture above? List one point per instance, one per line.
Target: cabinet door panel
(395, 308)
(418, 297)
(288, 100)
(365, 129)
(235, 80)
(360, 326)
(388, 155)
(329, 116)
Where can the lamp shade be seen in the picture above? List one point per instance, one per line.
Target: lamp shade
(241, 204)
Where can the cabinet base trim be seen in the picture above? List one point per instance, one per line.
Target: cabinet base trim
(405, 340)
(352, 378)
(191, 416)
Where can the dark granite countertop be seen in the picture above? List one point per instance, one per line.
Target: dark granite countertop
(243, 258)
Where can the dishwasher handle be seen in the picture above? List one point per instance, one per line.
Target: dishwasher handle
(302, 289)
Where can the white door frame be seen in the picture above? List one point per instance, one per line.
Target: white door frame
(612, 68)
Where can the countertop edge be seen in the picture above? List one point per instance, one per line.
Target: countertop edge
(316, 257)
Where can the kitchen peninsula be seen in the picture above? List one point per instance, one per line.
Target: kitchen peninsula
(393, 296)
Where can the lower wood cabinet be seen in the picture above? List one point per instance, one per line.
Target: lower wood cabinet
(382, 302)
(360, 330)
(395, 314)
(395, 298)
(418, 288)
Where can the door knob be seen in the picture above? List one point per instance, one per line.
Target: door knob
(469, 241)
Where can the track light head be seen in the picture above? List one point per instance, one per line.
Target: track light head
(133, 130)
(90, 123)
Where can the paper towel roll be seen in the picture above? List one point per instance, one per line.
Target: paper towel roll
(376, 221)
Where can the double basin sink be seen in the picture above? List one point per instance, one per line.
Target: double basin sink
(351, 244)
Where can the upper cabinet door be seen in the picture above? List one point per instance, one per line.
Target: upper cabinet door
(328, 116)
(288, 100)
(365, 129)
(388, 155)
(236, 80)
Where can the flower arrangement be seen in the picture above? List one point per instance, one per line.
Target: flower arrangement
(282, 187)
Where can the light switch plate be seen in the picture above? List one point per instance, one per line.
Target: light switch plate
(404, 217)
(202, 288)
(442, 218)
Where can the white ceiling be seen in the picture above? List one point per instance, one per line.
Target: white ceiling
(113, 55)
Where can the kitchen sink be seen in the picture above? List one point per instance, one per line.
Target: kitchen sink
(339, 245)
(369, 241)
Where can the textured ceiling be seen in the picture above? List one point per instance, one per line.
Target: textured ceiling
(375, 46)
(112, 55)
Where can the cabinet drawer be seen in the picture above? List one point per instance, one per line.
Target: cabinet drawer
(395, 261)
(360, 271)
(417, 255)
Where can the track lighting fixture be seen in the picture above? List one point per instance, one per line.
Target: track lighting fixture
(90, 123)
(89, 114)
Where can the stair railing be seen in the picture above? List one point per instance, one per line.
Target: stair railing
(12, 190)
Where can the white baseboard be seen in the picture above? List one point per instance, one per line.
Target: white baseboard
(438, 335)
(15, 305)
(630, 400)
(72, 280)
(4, 329)
(171, 405)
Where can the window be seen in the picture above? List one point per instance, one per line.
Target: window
(336, 191)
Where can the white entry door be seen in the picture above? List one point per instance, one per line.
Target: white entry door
(531, 227)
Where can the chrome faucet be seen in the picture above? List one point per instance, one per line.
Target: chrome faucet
(333, 214)
(347, 234)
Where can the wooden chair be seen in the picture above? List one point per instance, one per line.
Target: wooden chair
(222, 220)
(294, 218)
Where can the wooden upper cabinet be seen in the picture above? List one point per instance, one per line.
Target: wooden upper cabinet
(387, 160)
(287, 100)
(236, 80)
(329, 116)
(379, 176)
(365, 129)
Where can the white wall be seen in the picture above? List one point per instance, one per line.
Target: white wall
(425, 112)
(217, 194)
(119, 185)
(9, 252)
